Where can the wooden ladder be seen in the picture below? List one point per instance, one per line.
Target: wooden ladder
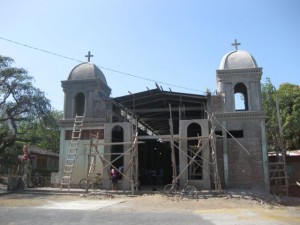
(279, 184)
(73, 146)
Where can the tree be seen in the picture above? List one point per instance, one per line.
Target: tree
(268, 92)
(46, 133)
(289, 104)
(288, 96)
(21, 104)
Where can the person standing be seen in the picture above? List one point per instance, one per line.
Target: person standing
(114, 179)
(27, 167)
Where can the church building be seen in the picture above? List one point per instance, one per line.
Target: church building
(156, 136)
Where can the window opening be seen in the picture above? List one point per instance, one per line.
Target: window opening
(240, 97)
(218, 132)
(236, 134)
(79, 104)
(195, 169)
(117, 150)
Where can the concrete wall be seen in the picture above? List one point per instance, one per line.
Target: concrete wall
(123, 184)
(81, 162)
(204, 183)
(241, 160)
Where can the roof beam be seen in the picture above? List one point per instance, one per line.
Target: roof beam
(157, 137)
(174, 109)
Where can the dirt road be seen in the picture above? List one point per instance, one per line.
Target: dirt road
(156, 201)
(238, 205)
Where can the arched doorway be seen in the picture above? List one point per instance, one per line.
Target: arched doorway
(195, 169)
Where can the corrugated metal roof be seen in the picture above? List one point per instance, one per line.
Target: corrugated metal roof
(152, 108)
(40, 151)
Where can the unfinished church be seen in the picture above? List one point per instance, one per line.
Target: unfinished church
(155, 137)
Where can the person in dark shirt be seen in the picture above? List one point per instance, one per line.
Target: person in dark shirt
(114, 179)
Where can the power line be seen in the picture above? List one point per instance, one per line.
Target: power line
(105, 68)
(39, 49)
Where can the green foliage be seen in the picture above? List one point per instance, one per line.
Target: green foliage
(289, 103)
(9, 157)
(45, 133)
(269, 105)
(21, 104)
(288, 96)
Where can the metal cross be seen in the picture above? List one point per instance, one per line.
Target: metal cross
(235, 44)
(89, 56)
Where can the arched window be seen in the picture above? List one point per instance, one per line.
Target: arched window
(195, 169)
(79, 104)
(117, 150)
(240, 97)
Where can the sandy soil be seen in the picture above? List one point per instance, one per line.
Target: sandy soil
(229, 199)
(158, 202)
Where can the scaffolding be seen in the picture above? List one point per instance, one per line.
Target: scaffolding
(130, 172)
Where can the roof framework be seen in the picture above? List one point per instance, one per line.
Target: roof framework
(152, 108)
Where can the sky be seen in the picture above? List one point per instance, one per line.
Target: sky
(174, 43)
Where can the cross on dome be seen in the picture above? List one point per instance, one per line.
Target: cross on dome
(89, 56)
(235, 44)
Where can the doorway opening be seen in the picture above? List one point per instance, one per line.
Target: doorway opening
(155, 166)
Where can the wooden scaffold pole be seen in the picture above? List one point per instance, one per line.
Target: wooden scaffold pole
(217, 181)
(128, 172)
(173, 158)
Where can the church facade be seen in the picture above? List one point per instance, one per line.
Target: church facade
(152, 135)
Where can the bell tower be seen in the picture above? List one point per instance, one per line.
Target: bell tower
(86, 94)
(241, 121)
(238, 81)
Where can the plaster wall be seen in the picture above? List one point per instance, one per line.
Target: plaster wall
(81, 163)
(204, 183)
(124, 183)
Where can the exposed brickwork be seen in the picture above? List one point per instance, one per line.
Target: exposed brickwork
(86, 134)
(216, 103)
(220, 158)
(244, 171)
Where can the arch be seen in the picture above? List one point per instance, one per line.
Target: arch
(195, 169)
(116, 156)
(79, 107)
(240, 97)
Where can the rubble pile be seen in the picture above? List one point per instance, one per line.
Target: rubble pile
(98, 195)
(261, 197)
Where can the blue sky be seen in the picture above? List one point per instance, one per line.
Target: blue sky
(177, 43)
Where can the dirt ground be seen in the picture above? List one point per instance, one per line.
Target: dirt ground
(229, 199)
(157, 202)
(241, 206)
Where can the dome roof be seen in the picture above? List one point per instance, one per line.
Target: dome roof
(238, 60)
(85, 71)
